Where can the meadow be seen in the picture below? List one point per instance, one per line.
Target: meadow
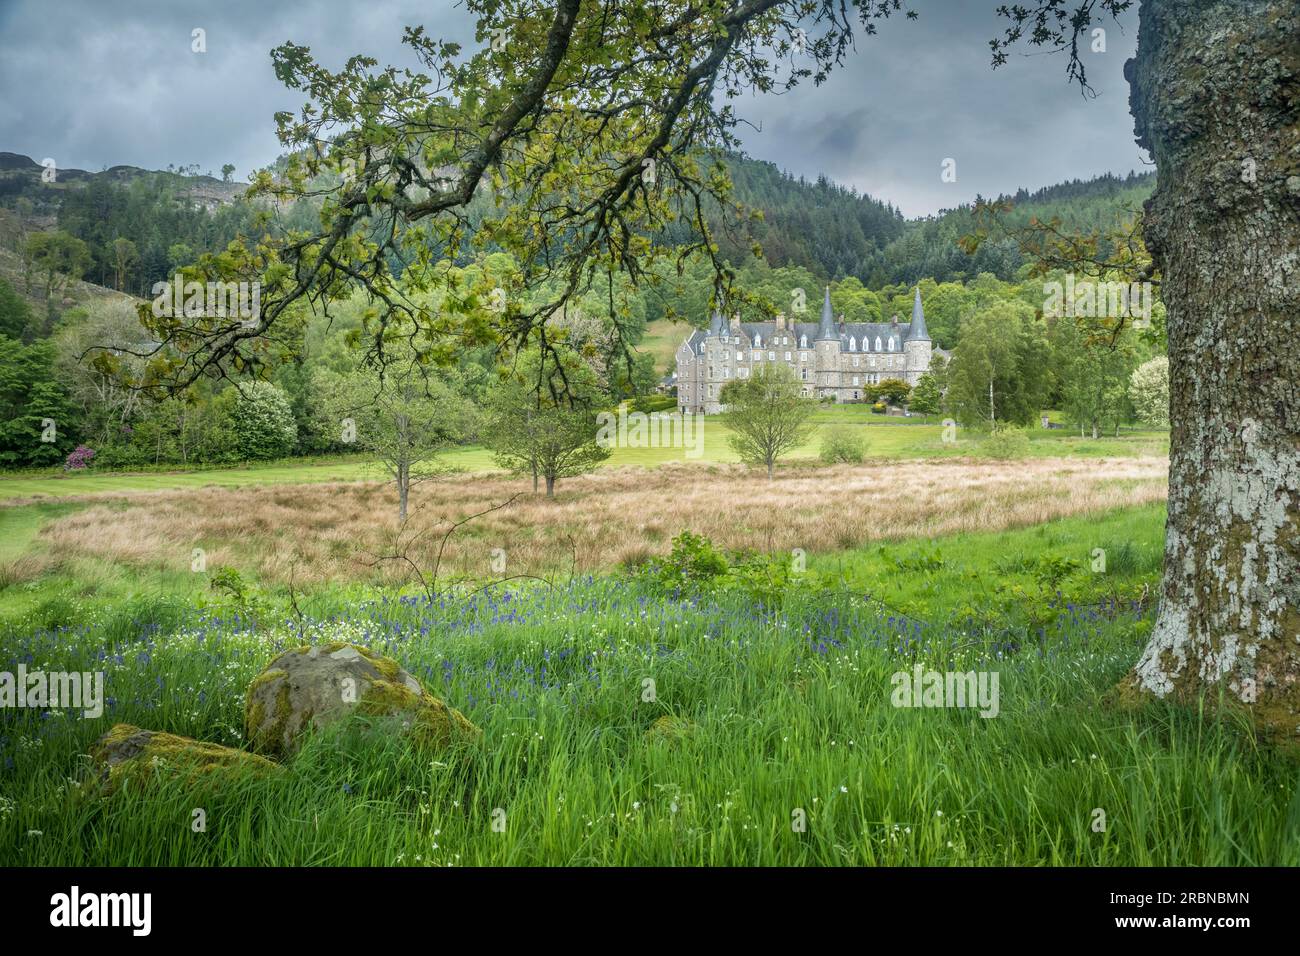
(770, 736)
(781, 745)
(886, 438)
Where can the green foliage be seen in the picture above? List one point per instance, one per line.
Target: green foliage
(237, 594)
(697, 567)
(843, 443)
(926, 398)
(1005, 442)
(1149, 391)
(767, 414)
(263, 422)
(693, 562)
(34, 407)
(893, 391)
(1000, 370)
(533, 431)
(15, 315)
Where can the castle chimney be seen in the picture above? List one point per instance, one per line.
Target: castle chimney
(780, 320)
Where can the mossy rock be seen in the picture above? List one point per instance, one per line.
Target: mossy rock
(669, 729)
(127, 754)
(309, 687)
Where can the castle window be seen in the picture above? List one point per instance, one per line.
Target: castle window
(758, 356)
(877, 343)
(853, 344)
(891, 343)
(855, 361)
(740, 356)
(787, 356)
(771, 356)
(758, 341)
(803, 341)
(803, 373)
(855, 382)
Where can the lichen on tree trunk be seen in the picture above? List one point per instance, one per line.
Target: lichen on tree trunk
(1215, 92)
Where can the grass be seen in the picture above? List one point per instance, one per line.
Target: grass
(887, 438)
(662, 339)
(953, 564)
(616, 517)
(790, 709)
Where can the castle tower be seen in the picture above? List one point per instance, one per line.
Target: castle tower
(826, 351)
(917, 347)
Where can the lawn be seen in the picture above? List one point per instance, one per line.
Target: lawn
(783, 746)
(886, 438)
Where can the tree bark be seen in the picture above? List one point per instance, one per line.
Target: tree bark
(550, 486)
(1215, 92)
(403, 488)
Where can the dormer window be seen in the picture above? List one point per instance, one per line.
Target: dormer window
(877, 343)
(891, 343)
(803, 341)
(758, 341)
(853, 344)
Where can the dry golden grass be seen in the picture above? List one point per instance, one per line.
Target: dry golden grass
(322, 532)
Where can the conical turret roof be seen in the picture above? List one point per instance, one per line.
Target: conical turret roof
(917, 332)
(826, 329)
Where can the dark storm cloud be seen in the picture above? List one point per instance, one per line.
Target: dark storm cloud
(96, 83)
(921, 91)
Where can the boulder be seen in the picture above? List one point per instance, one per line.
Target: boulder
(670, 729)
(127, 753)
(309, 687)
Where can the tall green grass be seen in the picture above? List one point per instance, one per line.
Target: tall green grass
(791, 717)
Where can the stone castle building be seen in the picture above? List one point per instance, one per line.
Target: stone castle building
(832, 358)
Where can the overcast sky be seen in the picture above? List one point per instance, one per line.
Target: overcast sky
(99, 83)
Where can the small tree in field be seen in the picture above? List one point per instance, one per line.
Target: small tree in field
(405, 417)
(1148, 389)
(533, 432)
(767, 415)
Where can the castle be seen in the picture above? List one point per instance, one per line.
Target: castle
(833, 358)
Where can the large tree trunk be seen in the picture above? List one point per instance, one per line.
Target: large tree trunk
(550, 486)
(1215, 91)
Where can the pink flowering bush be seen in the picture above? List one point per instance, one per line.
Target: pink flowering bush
(79, 458)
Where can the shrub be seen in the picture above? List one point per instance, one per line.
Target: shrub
(694, 560)
(1006, 442)
(878, 408)
(843, 443)
(263, 425)
(1149, 391)
(79, 458)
